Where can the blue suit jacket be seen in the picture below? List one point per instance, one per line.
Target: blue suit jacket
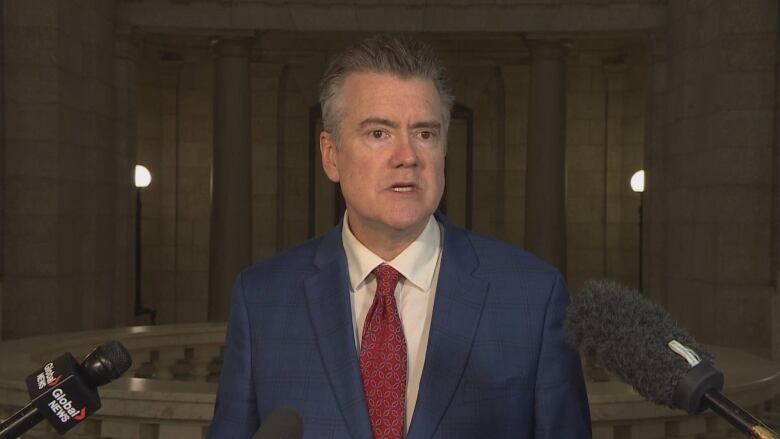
(497, 365)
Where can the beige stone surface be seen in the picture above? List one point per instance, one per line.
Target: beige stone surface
(400, 15)
(716, 189)
(67, 165)
(691, 99)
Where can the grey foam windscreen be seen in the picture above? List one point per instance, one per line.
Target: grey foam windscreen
(629, 335)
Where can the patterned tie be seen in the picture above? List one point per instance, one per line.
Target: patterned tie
(383, 359)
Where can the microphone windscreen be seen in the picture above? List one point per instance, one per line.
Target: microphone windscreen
(629, 335)
(282, 423)
(118, 356)
(106, 363)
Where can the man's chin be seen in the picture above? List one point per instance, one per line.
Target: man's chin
(408, 224)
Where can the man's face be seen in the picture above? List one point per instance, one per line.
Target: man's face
(389, 155)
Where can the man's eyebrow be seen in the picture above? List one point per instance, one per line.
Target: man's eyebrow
(377, 121)
(430, 124)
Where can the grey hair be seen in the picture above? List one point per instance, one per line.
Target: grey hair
(383, 53)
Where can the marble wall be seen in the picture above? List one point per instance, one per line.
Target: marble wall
(685, 88)
(65, 230)
(710, 139)
(2, 161)
(605, 146)
(175, 133)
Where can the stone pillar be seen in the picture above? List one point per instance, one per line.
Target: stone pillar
(776, 166)
(231, 236)
(545, 223)
(126, 52)
(60, 207)
(31, 139)
(654, 220)
(616, 189)
(775, 225)
(2, 159)
(710, 173)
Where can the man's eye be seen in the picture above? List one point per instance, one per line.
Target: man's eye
(377, 134)
(427, 135)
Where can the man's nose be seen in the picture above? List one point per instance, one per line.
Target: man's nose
(404, 153)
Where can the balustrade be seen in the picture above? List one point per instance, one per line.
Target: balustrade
(169, 391)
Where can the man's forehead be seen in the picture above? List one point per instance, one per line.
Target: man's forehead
(380, 91)
(375, 78)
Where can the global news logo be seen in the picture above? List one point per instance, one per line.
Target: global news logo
(63, 408)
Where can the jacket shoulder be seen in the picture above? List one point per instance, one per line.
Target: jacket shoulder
(291, 262)
(495, 255)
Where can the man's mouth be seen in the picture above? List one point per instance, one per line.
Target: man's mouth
(403, 187)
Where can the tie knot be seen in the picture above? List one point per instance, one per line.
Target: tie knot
(386, 279)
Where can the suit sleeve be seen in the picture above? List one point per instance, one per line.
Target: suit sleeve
(561, 403)
(235, 412)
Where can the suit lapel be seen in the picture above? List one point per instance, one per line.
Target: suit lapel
(327, 297)
(456, 313)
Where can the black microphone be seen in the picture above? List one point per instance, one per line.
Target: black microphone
(641, 343)
(65, 392)
(281, 423)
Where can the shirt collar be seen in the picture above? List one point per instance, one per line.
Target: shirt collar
(417, 262)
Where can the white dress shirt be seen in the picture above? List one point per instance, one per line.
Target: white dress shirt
(414, 295)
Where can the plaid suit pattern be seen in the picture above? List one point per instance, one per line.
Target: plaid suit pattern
(497, 365)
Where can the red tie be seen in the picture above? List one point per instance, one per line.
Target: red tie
(383, 359)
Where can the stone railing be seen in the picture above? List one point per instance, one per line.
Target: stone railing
(618, 412)
(169, 392)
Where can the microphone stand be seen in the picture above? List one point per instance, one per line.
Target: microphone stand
(737, 416)
(20, 422)
(699, 388)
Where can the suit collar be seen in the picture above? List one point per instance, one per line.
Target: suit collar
(330, 248)
(327, 297)
(460, 299)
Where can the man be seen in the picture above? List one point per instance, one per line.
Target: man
(396, 323)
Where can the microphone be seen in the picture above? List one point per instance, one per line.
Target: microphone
(281, 423)
(641, 343)
(65, 392)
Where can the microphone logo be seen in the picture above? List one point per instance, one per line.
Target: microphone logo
(64, 391)
(47, 378)
(62, 407)
(82, 414)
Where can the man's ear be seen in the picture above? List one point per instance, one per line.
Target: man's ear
(329, 156)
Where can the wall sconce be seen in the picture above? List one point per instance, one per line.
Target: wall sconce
(143, 178)
(638, 186)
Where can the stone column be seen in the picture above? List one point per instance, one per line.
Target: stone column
(2, 160)
(125, 78)
(776, 169)
(231, 236)
(616, 190)
(545, 200)
(775, 224)
(654, 219)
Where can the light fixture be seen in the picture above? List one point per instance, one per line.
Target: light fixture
(638, 181)
(638, 186)
(142, 176)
